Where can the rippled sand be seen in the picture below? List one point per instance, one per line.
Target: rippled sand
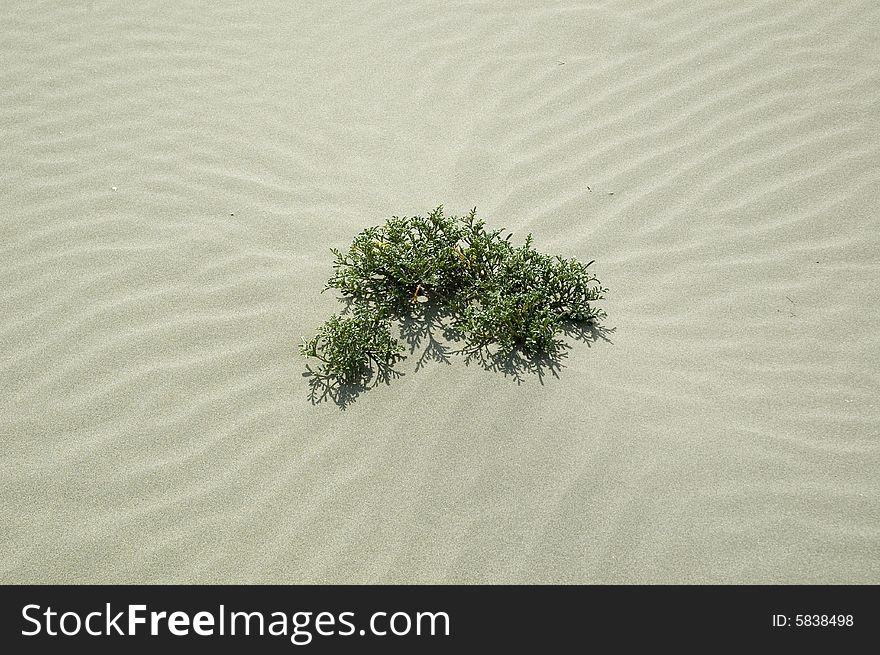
(174, 175)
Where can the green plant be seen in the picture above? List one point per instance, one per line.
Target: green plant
(524, 299)
(489, 293)
(348, 346)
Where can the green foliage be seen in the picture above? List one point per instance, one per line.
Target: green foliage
(491, 294)
(400, 265)
(523, 300)
(348, 345)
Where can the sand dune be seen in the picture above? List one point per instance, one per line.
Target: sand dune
(174, 176)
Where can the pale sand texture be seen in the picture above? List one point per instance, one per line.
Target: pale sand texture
(154, 420)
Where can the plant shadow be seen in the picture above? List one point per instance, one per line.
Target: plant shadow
(324, 387)
(518, 364)
(430, 336)
(421, 332)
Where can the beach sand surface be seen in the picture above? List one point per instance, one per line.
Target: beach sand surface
(174, 175)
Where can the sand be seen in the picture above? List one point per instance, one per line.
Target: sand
(174, 175)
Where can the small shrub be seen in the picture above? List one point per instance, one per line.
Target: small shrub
(348, 346)
(492, 294)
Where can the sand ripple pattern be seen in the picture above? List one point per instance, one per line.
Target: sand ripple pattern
(174, 174)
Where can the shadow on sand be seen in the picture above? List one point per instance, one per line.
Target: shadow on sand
(430, 337)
